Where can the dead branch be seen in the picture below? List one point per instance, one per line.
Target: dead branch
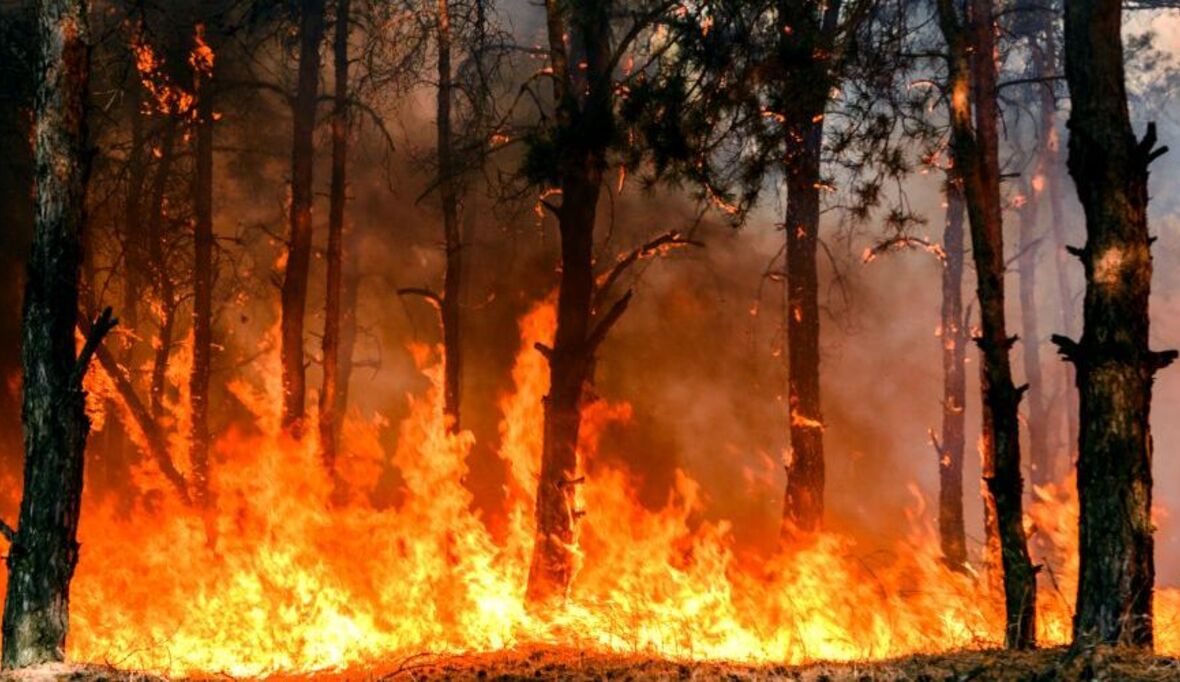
(431, 297)
(904, 242)
(101, 326)
(156, 445)
(659, 245)
(604, 326)
(7, 531)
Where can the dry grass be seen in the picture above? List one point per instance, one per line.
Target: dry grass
(573, 665)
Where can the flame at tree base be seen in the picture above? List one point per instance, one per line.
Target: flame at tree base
(283, 576)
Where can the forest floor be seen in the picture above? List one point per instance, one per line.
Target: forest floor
(565, 664)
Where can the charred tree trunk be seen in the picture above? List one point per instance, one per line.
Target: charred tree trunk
(583, 99)
(202, 288)
(133, 265)
(348, 301)
(803, 505)
(951, 528)
(972, 75)
(1115, 367)
(1039, 454)
(162, 279)
(294, 295)
(449, 194)
(330, 405)
(44, 547)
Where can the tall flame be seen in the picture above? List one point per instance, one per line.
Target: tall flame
(286, 576)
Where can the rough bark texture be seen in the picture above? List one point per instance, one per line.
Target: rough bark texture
(972, 85)
(44, 548)
(294, 295)
(803, 65)
(951, 528)
(330, 405)
(583, 97)
(1114, 365)
(452, 296)
(202, 291)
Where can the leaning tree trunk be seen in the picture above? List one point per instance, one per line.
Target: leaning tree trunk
(1039, 455)
(583, 98)
(202, 287)
(972, 81)
(803, 505)
(449, 194)
(330, 405)
(294, 294)
(44, 549)
(951, 528)
(1115, 367)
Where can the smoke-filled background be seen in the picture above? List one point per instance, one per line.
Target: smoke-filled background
(699, 355)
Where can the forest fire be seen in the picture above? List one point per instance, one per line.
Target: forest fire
(287, 578)
(356, 334)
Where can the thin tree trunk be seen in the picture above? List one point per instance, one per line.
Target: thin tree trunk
(294, 294)
(449, 194)
(1039, 454)
(44, 548)
(1115, 367)
(951, 527)
(165, 290)
(1048, 169)
(803, 505)
(202, 288)
(133, 266)
(583, 100)
(348, 330)
(330, 407)
(972, 81)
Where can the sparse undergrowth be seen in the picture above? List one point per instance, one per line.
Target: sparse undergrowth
(567, 664)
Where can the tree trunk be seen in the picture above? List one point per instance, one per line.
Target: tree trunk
(330, 407)
(972, 81)
(449, 194)
(1048, 169)
(294, 295)
(1115, 366)
(162, 279)
(951, 528)
(1039, 454)
(133, 266)
(583, 100)
(202, 289)
(803, 506)
(44, 548)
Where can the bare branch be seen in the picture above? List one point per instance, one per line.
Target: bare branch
(431, 297)
(657, 246)
(101, 326)
(604, 326)
(7, 531)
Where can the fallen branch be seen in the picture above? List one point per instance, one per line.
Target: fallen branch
(156, 445)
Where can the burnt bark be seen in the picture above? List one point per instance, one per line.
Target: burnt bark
(972, 85)
(583, 98)
(294, 293)
(1114, 365)
(452, 239)
(44, 548)
(330, 405)
(202, 289)
(806, 79)
(951, 527)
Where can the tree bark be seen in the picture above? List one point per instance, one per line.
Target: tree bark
(951, 528)
(44, 548)
(449, 195)
(1114, 365)
(583, 98)
(202, 288)
(972, 84)
(294, 294)
(330, 405)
